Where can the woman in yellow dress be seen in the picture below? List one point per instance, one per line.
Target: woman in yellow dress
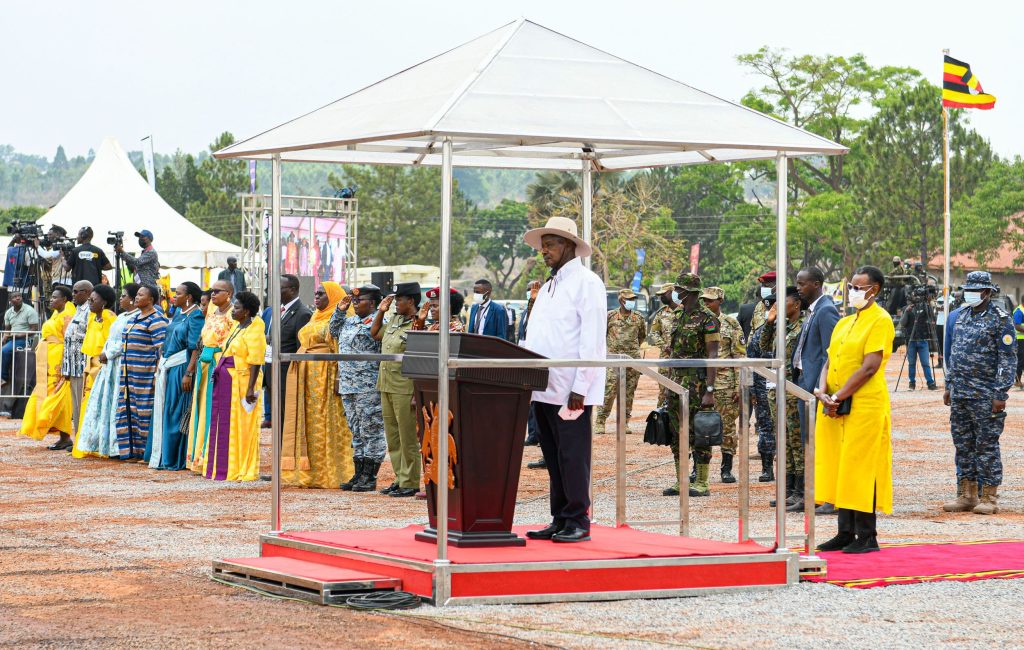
(216, 328)
(101, 300)
(317, 447)
(49, 407)
(853, 454)
(233, 450)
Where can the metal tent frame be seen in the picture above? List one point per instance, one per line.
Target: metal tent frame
(524, 96)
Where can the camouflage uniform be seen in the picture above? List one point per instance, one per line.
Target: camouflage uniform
(981, 365)
(358, 385)
(693, 329)
(765, 422)
(624, 336)
(727, 382)
(660, 336)
(794, 446)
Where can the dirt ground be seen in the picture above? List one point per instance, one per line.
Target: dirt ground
(98, 553)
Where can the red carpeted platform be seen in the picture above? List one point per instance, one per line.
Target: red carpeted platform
(902, 564)
(616, 563)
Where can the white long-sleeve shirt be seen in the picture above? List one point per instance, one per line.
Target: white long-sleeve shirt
(569, 321)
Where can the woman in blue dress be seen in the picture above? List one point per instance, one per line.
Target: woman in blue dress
(174, 379)
(99, 427)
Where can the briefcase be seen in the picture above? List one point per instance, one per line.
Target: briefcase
(707, 429)
(657, 431)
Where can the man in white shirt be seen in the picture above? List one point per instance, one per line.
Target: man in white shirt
(567, 321)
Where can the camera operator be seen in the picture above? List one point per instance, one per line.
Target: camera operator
(146, 266)
(87, 262)
(916, 324)
(53, 269)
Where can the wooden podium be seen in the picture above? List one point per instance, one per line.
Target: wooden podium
(489, 408)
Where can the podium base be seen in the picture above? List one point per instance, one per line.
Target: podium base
(472, 540)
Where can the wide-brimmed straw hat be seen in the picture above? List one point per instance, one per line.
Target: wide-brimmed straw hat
(562, 227)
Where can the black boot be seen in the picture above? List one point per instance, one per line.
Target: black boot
(789, 491)
(693, 472)
(368, 482)
(796, 502)
(360, 465)
(767, 468)
(727, 476)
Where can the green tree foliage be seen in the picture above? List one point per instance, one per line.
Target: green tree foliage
(498, 233)
(60, 159)
(19, 213)
(221, 181)
(992, 215)
(400, 215)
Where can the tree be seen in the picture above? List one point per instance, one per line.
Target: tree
(500, 241)
(60, 159)
(220, 181)
(897, 169)
(992, 215)
(400, 215)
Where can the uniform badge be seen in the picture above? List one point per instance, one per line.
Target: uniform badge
(1007, 339)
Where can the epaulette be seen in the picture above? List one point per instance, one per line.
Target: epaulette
(999, 310)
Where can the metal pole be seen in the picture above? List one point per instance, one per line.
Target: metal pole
(684, 463)
(946, 222)
(275, 341)
(443, 341)
(588, 206)
(620, 452)
(780, 352)
(811, 411)
(744, 456)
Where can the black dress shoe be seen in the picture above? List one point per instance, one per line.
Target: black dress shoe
(532, 442)
(403, 492)
(826, 509)
(389, 489)
(537, 464)
(863, 545)
(61, 446)
(837, 543)
(571, 534)
(545, 533)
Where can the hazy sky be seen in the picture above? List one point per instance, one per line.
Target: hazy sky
(183, 71)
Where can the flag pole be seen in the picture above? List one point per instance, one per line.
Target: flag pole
(946, 292)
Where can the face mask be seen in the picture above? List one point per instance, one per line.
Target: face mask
(766, 292)
(675, 297)
(858, 299)
(630, 305)
(142, 244)
(481, 297)
(972, 297)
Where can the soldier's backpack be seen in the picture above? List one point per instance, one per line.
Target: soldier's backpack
(707, 429)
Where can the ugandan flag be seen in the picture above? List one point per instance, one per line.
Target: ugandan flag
(961, 89)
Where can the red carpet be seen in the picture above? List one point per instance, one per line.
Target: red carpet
(606, 544)
(904, 564)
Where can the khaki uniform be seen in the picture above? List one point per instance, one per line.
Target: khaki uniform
(727, 384)
(625, 334)
(794, 446)
(396, 404)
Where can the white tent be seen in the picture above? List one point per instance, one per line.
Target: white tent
(113, 196)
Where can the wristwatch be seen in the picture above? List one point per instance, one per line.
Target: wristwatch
(710, 389)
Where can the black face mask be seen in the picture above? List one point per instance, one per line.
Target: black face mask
(142, 244)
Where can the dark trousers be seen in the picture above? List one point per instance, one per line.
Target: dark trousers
(1020, 357)
(531, 427)
(268, 401)
(857, 523)
(566, 448)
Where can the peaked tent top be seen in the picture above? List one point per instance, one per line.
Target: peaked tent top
(524, 96)
(112, 196)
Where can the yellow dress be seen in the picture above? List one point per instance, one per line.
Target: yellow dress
(96, 334)
(49, 407)
(317, 443)
(246, 347)
(215, 332)
(853, 453)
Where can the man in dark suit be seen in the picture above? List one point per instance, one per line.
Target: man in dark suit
(811, 349)
(294, 316)
(485, 317)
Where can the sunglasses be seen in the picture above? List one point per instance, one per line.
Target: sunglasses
(213, 291)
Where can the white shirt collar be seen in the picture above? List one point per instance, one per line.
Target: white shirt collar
(813, 305)
(285, 308)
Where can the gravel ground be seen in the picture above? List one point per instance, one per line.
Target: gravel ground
(101, 554)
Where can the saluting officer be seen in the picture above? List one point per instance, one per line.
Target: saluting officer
(980, 367)
(626, 331)
(727, 381)
(765, 424)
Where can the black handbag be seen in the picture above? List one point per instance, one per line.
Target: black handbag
(707, 429)
(657, 431)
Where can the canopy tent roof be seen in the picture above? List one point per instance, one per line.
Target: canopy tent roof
(524, 96)
(113, 196)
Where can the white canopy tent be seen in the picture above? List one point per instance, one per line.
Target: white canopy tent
(113, 196)
(524, 96)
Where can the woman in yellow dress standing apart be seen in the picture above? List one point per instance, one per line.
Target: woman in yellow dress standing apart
(216, 328)
(49, 407)
(853, 455)
(317, 449)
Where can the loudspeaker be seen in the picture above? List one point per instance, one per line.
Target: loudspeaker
(385, 280)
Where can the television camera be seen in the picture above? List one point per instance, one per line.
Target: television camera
(115, 238)
(24, 232)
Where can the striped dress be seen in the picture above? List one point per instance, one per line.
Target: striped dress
(142, 340)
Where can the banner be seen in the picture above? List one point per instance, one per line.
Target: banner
(147, 161)
(695, 258)
(641, 256)
(252, 177)
(637, 278)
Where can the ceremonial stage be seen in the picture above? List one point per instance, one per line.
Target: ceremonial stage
(618, 563)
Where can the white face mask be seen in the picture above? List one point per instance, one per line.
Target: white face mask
(858, 298)
(482, 298)
(675, 297)
(766, 292)
(972, 297)
(630, 305)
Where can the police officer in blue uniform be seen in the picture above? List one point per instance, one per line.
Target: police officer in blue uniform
(981, 362)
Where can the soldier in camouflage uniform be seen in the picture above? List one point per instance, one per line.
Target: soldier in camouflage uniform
(794, 446)
(980, 368)
(662, 324)
(695, 336)
(358, 385)
(765, 423)
(727, 381)
(626, 331)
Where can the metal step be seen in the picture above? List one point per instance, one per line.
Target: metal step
(319, 583)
